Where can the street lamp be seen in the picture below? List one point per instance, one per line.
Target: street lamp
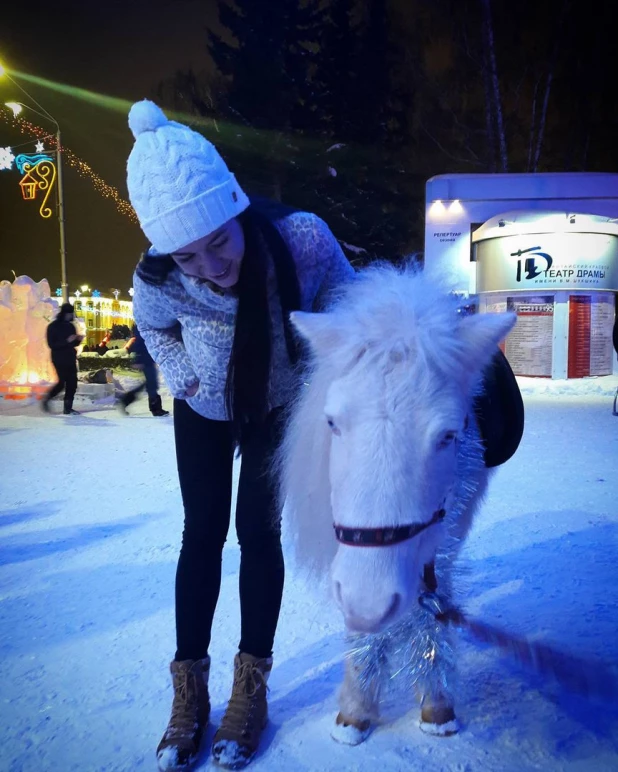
(17, 108)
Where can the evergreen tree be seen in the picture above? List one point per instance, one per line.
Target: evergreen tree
(368, 188)
(346, 107)
(263, 62)
(191, 93)
(259, 89)
(313, 117)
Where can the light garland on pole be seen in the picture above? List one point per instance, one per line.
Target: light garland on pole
(46, 174)
(39, 174)
(81, 167)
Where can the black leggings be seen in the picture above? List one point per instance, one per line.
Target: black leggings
(204, 452)
(67, 380)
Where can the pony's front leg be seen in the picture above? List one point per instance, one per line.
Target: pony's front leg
(434, 689)
(358, 706)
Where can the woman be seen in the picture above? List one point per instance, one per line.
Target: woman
(212, 299)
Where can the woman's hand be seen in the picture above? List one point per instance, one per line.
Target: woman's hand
(191, 390)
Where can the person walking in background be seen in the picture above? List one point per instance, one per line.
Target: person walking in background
(63, 340)
(144, 362)
(212, 298)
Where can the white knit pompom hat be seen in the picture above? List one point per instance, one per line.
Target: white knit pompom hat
(180, 187)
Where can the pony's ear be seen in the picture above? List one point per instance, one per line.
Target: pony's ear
(319, 330)
(481, 333)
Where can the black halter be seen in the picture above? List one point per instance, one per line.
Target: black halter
(384, 537)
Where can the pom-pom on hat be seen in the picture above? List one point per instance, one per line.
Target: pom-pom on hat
(179, 186)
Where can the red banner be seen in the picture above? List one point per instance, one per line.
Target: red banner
(579, 336)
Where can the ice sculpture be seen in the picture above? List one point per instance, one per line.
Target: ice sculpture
(26, 309)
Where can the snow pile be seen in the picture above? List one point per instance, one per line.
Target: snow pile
(116, 353)
(595, 386)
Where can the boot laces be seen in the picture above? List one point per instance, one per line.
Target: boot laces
(249, 681)
(185, 707)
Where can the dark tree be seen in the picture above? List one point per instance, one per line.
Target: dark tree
(263, 62)
(305, 109)
(369, 187)
(346, 107)
(520, 86)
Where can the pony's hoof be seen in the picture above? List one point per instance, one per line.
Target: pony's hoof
(350, 731)
(440, 722)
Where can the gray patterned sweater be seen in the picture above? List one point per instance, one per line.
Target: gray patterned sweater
(189, 327)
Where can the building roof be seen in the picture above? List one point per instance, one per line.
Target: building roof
(533, 221)
(512, 187)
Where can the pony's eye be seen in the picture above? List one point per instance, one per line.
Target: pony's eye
(447, 439)
(333, 427)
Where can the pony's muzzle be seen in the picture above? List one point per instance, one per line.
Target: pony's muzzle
(367, 620)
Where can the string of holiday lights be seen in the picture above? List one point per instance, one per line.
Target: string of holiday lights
(75, 162)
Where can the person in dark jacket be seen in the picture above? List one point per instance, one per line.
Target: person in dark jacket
(63, 339)
(144, 362)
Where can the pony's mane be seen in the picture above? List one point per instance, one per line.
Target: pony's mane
(384, 307)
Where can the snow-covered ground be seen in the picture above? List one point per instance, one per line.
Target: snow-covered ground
(90, 523)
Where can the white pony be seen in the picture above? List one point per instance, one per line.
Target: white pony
(383, 445)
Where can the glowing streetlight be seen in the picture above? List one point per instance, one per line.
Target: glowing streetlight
(17, 107)
(85, 288)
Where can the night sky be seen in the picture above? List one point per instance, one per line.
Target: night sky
(127, 48)
(121, 49)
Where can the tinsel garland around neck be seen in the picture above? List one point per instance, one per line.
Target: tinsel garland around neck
(415, 656)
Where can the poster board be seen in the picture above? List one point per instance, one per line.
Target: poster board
(601, 326)
(497, 307)
(529, 346)
(591, 318)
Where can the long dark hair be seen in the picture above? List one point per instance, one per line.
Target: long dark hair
(248, 374)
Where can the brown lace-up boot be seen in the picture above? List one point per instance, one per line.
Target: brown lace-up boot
(180, 743)
(238, 737)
